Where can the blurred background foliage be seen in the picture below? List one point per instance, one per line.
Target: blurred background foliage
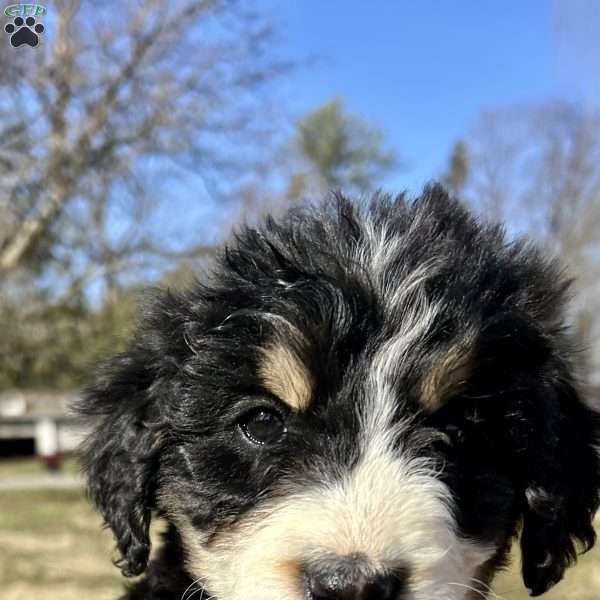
(82, 226)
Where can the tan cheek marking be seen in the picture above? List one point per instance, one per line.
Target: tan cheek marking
(229, 565)
(284, 374)
(445, 378)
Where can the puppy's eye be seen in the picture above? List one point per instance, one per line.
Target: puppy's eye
(454, 433)
(263, 426)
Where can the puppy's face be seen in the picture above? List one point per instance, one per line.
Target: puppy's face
(359, 405)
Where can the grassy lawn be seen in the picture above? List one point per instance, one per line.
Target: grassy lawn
(18, 467)
(52, 547)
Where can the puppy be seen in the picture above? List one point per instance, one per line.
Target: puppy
(360, 403)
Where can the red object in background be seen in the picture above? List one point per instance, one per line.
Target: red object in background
(47, 443)
(51, 461)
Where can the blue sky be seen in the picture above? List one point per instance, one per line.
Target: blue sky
(423, 71)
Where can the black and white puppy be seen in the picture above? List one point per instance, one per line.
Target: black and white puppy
(361, 403)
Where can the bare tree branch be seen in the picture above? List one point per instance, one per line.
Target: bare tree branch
(537, 168)
(179, 80)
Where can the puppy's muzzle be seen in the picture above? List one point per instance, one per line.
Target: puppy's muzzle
(351, 578)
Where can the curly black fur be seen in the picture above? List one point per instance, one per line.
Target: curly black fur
(514, 443)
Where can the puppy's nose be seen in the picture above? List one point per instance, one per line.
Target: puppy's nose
(344, 579)
(382, 587)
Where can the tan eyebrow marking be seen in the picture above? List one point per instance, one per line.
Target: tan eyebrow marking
(445, 378)
(286, 376)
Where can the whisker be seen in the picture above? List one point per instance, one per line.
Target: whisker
(469, 587)
(189, 592)
(487, 588)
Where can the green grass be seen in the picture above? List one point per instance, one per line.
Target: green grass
(53, 547)
(16, 467)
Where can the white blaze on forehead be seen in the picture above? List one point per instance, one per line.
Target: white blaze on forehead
(378, 252)
(382, 244)
(414, 325)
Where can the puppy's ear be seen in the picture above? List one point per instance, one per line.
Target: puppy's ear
(119, 454)
(560, 464)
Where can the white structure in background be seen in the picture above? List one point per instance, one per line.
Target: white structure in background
(43, 417)
(46, 439)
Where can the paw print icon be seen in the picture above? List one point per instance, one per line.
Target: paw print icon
(24, 31)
